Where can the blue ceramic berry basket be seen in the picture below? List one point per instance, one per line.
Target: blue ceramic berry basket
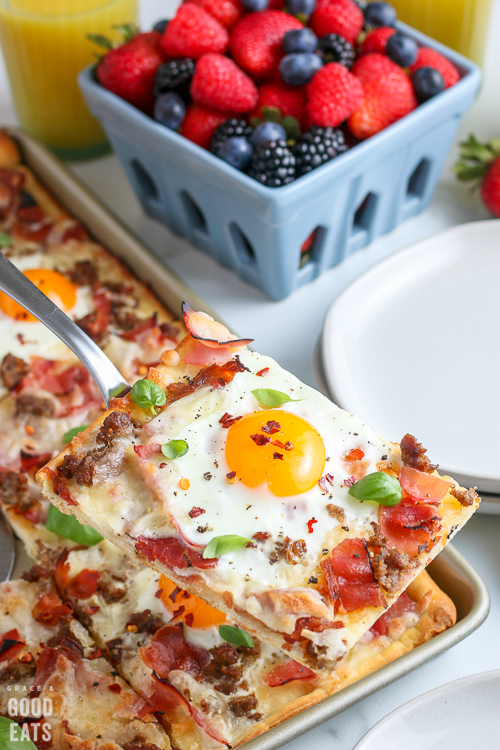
(259, 231)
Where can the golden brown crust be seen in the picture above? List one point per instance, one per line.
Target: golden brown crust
(9, 153)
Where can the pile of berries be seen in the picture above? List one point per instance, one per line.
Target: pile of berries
(276, 88)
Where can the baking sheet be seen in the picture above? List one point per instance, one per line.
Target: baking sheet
(450, 570)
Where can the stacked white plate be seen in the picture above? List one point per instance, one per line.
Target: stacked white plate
(414, 346)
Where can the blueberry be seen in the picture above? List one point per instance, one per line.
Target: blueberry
(301, 7)
(298, 69)
(427, 82)
(236, 151)
(254, 6)
(380, 14)
(160, 26)
(169, 110)
(267, 131)
(299, 40)
(402, 50)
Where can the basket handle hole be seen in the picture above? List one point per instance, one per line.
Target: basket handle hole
(145, 183)
(195, 215)
(242, 244)
(310, 248)
(418, 179)
(365, 213)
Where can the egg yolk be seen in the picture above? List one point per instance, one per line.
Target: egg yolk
(276, 447)
(204, 616)
(56, 286)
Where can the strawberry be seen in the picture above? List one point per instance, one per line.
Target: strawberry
(333, 94)
(376, 40)
(342, 17)
(388, 95)
(200, 123)
(290, 100)
(430, 58)
(218, 83)
(255, 41)
(193, 32)
(481, 163)
(128, 71)
(227, 12)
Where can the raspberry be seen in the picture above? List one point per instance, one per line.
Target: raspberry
(341, 17)
(227, 12)
(430, 58)
(376, 40)
(333, 94)
(200, 123)
(272, 164)
(218, 83)
(232, 128)
(255, 41)
(290, 100)
(193, 32)
(317, 147)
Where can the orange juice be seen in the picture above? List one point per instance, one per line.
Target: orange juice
(460, 24)
(45, 47)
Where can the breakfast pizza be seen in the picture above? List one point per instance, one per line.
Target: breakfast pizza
(55, 682)
(253, 492)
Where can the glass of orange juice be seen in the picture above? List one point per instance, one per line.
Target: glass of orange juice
(45, 46)
(460, 24)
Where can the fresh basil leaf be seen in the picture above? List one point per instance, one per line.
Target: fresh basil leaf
(236, 636)
(6, 743)
(70, 434)
(378, 487)
(70, 528)
(101, 40)
(148, 395)
(271, 398)
(220, 545)
(174, 449)
(5, 239)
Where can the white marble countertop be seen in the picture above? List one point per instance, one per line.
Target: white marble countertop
(296, 325)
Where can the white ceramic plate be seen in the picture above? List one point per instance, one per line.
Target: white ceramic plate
(462, 715)
(414, 346)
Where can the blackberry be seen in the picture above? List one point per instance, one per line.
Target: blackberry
(229, 129)
(272, 164)
(174, 75)
(334, 48)
(316, 147)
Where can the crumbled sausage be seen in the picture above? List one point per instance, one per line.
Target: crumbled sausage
(37, 405)
(464, 497)
(84, 273)
(13, 370)
(145, 622)
(17, 671)
(413, 455)
(288, 550)
(82, 469)
(35, 574)
(66, 641)
(245, 705)
(335, 512)
(390, 567)
(109, 592)
(117, 424)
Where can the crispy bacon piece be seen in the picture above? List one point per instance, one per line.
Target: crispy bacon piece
(59, 487)
(146, 451)
(11, 183)
(424, 488)
(315, 624)
(49, 610)
(142, 330)
(168, 650)
(401, 605)
(213, 334)
(322, 484)
(11, 644)
(413, 455)
(410, 527)
(172, 551)
(30, 461)
(287, 672)
(50, 377)
(96, 324)
(81, 586)
(32, 224)
(349, 576)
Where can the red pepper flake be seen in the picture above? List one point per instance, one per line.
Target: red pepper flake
(173, 594)
(261, 536)
(227, 420)
(322, 484)
(310, 525)
(277, 455)
(163, 464)
(288, 446)
(159, 593)
(260, 439)
(178, 612)
(230, 475)
(195, 512)
(350, 481)
(355, 455)
(115, 688)
(96, 654)
(262, 373)
(189, 619)
(91, 610)
(329, 478)
(271, 427)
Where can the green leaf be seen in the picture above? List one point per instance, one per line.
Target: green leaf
(70, 434)
(378, 487)
(292, 128)
(5, 239)
(271, 114)
(127, 30)
(148, 395)
(174, 449)
(5, 741)
(236, 636)
(271, 398)
(70, 528)
(100, 40)
(220, 545)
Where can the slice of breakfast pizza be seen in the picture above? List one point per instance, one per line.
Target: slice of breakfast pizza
(55, 683)
(254, 492)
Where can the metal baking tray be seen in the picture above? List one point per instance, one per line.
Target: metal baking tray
(450, 570)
